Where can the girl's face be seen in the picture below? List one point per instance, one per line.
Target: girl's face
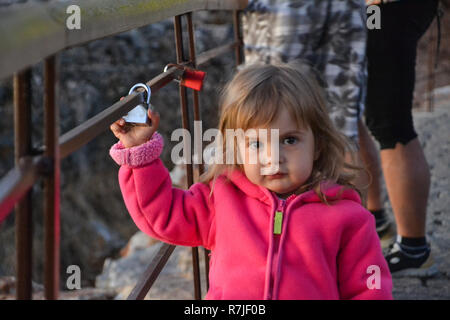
(295, 161)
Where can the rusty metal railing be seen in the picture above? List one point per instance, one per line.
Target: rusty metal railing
(44, 162)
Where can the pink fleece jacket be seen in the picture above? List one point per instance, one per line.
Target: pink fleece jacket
(320, 252)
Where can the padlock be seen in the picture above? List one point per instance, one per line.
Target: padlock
(139, 115)
(191, 78)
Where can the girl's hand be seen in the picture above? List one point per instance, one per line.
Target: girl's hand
(132, 136)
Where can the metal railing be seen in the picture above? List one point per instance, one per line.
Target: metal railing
(39, 33)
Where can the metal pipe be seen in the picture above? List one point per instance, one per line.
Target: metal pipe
(144, 284)
(186, 125)
(237, 36)
(88, 130)
(51, 182)
(197, 117)
(18, 182)
(195, 94)
(23, 209)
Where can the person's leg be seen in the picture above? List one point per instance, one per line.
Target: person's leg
(344, 35)
(407, 179)
(391, 57)
(408, 182)
(369, 155)
(368, 180)
(362, 179)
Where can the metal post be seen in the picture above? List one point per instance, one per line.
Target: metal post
(237, 36)
(197, 117)
(51, 182)
(185, 116)
(23, 209)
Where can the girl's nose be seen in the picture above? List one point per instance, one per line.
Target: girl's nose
(272, 163)
(273, 155)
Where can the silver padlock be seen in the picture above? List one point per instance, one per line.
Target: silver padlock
(138, 115)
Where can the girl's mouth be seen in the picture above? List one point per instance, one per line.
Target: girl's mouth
(276, 176)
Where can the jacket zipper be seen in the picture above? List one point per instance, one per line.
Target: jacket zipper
(277, 228)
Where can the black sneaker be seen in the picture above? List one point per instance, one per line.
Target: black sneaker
(402, 263)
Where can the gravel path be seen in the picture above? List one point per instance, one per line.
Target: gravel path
(434, 134)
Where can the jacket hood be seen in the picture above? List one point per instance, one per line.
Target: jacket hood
(331, 190)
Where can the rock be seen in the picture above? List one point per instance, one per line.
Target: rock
(86, 294)
(178, 176)
(138, 241)
(8, 292)
(8, 287)
(174, 282)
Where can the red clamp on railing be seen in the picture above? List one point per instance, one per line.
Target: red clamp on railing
(191, 78)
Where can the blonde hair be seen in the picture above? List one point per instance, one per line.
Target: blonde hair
(253, 98)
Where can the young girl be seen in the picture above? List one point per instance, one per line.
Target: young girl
(297, 233)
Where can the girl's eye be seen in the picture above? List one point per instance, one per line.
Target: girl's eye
(290, 140)
(255, 145)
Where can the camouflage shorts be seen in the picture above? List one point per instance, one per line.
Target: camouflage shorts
(330, 35)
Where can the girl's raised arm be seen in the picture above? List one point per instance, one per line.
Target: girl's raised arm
(176, 216)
